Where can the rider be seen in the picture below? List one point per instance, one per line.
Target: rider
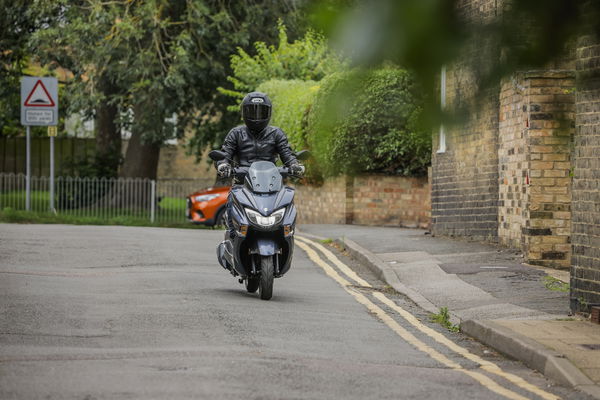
(255, 141)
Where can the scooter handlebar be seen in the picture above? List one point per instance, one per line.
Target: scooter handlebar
(241, 172)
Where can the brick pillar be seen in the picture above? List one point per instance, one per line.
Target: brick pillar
(537, 113)
(550, 116)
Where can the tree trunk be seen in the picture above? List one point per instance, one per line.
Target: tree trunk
(108, 135)
(141, 159)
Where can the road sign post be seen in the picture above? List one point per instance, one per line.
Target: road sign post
(52, 131)
(28, 170)
(39, 107)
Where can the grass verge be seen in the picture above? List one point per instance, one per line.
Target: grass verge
(8, 215)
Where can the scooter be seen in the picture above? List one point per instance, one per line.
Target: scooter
(264, 220)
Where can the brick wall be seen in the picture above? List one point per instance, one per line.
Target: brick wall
(366, 200)
(535, 135)
(585, 263)
(513, 163)
(324, 204)
(391, 201)
(464, 198)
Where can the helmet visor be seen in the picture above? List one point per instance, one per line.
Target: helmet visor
(256, 111)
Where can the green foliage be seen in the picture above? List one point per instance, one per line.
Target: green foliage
(369, 121)
(443, 318)
(291, 101)
(307, 59)
(18, 20)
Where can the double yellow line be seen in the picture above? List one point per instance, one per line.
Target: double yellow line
(348, 285)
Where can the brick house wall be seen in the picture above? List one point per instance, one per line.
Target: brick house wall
(585, 262)
(464, 181)
(464, 198)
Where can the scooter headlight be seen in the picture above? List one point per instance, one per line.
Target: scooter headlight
(273, 219)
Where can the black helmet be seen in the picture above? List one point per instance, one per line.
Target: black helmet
(256, 111)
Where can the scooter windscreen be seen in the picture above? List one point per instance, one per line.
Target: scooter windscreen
(263, 177)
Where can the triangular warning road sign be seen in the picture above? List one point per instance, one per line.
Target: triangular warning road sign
(39, 96)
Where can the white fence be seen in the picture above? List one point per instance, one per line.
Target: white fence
(103, 198)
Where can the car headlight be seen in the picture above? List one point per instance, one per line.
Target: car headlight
(260, 220)
(205, 197)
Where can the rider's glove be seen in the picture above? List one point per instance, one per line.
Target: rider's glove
(297, 169)
(224, 170)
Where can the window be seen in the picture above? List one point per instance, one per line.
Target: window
(442, 144)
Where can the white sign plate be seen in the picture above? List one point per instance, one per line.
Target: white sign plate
(39, 101)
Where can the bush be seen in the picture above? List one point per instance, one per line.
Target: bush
(291, 100)
(369, 121)
(308, 58)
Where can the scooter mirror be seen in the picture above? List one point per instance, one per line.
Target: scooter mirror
(217, 155)
(303, 155)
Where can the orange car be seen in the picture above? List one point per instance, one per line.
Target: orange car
(207, 206)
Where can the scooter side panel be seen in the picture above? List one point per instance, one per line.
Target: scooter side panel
(290, 216)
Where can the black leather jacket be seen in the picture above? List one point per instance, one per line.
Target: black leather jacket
(244, 147)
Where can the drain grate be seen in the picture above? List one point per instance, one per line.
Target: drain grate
(594, 346)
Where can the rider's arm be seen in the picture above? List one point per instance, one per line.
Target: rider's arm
(283, 148)
(230, 146)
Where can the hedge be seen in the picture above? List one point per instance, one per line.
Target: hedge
(291, 99)
(369, 121)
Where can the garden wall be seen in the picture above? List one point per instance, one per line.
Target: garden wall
(366, 200)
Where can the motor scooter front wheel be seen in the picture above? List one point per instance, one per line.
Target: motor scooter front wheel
(265, 284)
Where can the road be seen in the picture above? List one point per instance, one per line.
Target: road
(121, 312)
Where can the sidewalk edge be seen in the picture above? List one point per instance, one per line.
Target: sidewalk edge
(533, 354)
(386, 274)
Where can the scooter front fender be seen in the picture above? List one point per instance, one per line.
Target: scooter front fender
(265, 247)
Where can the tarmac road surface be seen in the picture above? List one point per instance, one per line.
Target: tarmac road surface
(99, 312)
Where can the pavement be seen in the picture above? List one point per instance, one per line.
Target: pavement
(517, 309)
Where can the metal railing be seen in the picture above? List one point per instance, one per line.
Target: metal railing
(162, 200)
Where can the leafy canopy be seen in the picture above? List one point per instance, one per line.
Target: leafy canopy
(160, 58)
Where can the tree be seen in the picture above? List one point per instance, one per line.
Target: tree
(17, 22)
(153, 65)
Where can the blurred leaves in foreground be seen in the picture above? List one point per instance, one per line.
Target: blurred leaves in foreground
(423, 35)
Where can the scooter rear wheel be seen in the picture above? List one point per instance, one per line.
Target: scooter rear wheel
(265, 286)
(252, 283)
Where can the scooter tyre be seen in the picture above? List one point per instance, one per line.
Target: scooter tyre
(252, 284)
(265, 285)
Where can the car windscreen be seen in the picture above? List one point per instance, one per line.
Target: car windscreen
(264, 177)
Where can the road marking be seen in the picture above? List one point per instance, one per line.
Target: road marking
(438, 337)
